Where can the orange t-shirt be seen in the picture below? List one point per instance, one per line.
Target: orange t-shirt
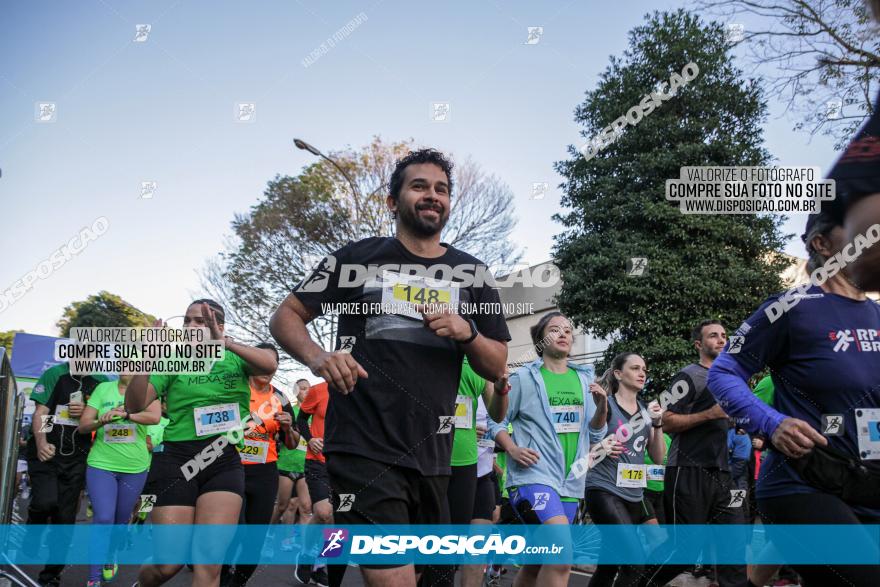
(316, 405)
(261, 437)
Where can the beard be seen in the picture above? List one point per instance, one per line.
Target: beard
(410, 218)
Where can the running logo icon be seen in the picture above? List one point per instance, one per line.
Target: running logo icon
(346, 500)
(832, 424)
(534, 35)
(541, 501)
(333, 541)
(346, 344)
(320, 277)
(636, 266)
(47, 422)
(843, 338)
(737, 497)
(446, 423)
(736, 343)
(147, 503)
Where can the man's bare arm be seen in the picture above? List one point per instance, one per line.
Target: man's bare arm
(288, 327)
(677, 423)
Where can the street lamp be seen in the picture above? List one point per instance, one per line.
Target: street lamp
(301, 144)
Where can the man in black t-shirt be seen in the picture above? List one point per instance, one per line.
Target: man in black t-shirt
(394, 376)
(697, 485)
(57, 453)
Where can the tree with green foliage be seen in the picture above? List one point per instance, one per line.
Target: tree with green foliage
(303, 218)
(102, 309)
(698, 266)
(6, 338)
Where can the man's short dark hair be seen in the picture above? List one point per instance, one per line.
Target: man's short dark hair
(306, 380)
(697, 332)
(415, 158)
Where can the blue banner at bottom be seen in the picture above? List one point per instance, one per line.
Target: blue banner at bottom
(446, 544)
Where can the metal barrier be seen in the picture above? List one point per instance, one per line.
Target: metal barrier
(11, 407)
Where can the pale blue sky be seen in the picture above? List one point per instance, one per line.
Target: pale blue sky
(163, 110)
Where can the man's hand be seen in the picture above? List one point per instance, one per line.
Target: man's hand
(504, 382)
(75, 410)
(758, 443)
(715, 413)
(481, 431)
(445, 322)
(339, 369)
(284, 420)
(316, 445)
(795, 438)
(600, 396)
(210, 319)
(526, 457)
(45, 451)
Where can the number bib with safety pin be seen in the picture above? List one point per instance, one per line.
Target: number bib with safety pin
(464, 412)
(254, 451)
(631, 475)
(868, 427)
(120, 433)
(216, 419)
(567, 418)
(62, 416)
(402, 293)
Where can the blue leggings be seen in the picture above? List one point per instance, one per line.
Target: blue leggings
(113, 496)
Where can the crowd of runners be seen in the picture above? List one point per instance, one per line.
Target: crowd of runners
(419, 419)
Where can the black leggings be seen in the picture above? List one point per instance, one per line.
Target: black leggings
(820, 508)
(606, 508)
(56, 485)
(260, 491)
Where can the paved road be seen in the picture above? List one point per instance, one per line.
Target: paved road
(281, 575)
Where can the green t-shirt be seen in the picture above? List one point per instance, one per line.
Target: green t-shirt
(501, 461)
(226, 384)
(657, 485)
(765, 390)
(120, 446)
(156, 432)
(464, 442)
(292, 460)
(565, 390)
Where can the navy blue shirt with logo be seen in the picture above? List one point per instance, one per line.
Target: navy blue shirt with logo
(824, 357)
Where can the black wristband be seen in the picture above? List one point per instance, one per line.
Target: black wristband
(474, 332)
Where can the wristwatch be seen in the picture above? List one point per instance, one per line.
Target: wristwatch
(474, 332)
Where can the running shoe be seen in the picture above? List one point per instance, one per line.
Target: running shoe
(302, 573)
(109, 572)
(319, 577)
